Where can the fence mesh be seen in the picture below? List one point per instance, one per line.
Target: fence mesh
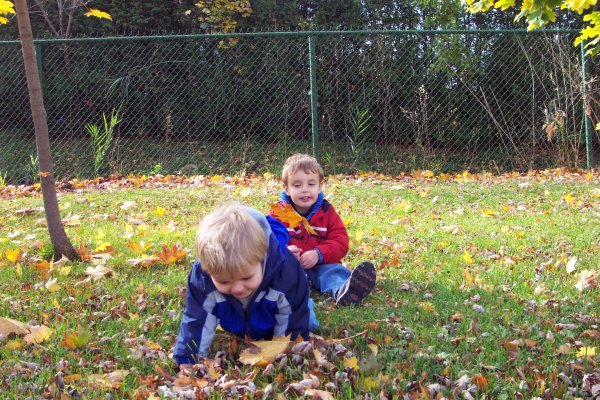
(387, 102)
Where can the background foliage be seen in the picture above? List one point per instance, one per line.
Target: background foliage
(240, 103)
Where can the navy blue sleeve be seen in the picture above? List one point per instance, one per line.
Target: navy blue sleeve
(194, 321)
(280, 232)
(297, 293)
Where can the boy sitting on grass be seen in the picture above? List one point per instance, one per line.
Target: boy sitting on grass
(320, 252)
(245, 280)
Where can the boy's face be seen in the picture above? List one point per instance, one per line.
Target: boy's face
(239, 285)
(303, 187)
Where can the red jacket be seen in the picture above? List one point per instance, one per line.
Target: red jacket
(331, 239)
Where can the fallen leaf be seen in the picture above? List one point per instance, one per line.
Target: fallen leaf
(38, 334)
(171, 255)
(571, 265)
(76, 339)
(8, 326)
(143, 261)
(316, 394)
(285, 213)
(52, 286)
(98, 271)
(587, 280)
(467, 257)
(14, 255)
(264, 352)
(351, 362)
(586, 352)
(110, 380)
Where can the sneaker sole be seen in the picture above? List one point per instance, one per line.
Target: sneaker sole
(360, 286)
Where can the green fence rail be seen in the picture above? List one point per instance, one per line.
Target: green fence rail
(385, 101)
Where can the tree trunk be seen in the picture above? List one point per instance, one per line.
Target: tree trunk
(58, 236)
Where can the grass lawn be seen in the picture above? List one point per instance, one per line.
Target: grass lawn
(487, 288)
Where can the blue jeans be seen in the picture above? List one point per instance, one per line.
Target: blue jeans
(313, 323)
(328, 278)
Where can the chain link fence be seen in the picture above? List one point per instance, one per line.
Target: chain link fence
(389, 102)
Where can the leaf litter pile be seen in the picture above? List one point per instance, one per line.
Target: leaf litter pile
(487, 288)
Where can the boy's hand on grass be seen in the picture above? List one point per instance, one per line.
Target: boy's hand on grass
(309, 259)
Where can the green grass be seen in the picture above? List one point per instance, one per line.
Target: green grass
(431, 322)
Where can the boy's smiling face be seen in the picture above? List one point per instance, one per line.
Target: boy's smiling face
(303, 187)
(239, 285)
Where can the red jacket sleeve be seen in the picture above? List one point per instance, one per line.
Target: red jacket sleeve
(336, 244)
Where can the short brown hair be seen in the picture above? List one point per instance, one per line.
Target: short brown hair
(229, 239)
(302, 162)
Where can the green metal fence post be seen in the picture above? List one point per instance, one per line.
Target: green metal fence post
(586, 118)
(313, 95)
(38, 60)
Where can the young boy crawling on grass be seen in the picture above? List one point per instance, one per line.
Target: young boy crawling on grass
(244, 280)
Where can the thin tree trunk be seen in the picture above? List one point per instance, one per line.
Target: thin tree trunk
(58, 236)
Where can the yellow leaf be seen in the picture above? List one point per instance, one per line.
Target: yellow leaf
(38, 334)
(467, 257)
(65, 270)
(427, 174)
(373, 347)
(351, 362)
(14, 255)
(52, 286)
(6, 7)
(586, 352)
(15, 344)
(358, 236)
(138, 248)
(569, 199)
(110, 380)
(264, 352)
(589, 176)
(488, 212)
(285, 213)
(103, 247)
(99, 235)
(427, 306)
(159, 212)
(98, 14)
(19, 270)
(404, 205)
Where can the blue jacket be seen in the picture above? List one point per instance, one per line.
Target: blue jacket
(279, 307)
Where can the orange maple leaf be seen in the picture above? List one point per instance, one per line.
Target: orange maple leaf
(285, 213)
(44, 268)
(76, 339)
(171, 255)
(84, 253)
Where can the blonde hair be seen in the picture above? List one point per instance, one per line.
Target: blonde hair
(302, 162)
(229, 239)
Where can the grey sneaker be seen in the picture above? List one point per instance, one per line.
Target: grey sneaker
(357, 286)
